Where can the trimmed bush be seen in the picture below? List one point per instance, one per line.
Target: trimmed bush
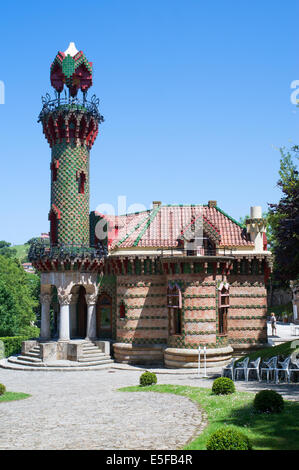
(228, 439)
(147, 378)
(223, 386)
(268, 401)
(2, 389)
(13, 344)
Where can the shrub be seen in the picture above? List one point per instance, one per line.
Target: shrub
(268, 401)
(228, 439)
(2, 389)
(147, 378)
(13, 344)
(223, 386)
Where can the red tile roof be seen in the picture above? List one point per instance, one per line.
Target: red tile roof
(163, 226)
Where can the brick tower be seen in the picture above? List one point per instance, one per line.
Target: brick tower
(70, 126)
(69, 265)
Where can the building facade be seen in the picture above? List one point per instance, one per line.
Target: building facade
(157, 284)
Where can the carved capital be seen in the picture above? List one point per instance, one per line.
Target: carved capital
(64, 298)
(91, 299)
(45, 299)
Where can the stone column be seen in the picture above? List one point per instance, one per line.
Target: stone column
(91, 329)
(64, 324)
(45, 332)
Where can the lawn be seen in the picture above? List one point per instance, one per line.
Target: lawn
(11, 396)
(283, 350)
(266, 431)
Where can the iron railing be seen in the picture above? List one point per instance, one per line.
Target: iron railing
(200, 251)
(41, 250)
(67, 102)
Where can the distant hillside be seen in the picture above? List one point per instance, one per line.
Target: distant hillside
(22, 252)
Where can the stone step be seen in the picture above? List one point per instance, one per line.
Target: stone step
(29, 359)
(95, 359)
(93, 351)
(57, 364)
(26, 366)
(32, 353)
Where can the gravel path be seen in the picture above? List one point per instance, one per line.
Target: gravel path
(83, 410)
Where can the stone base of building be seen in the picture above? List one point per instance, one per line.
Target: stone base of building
(151, 354)
(188, 358)
(242, 349)
(171, 357)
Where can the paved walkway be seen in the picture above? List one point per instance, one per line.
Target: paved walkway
(83, 410)
(284, 332)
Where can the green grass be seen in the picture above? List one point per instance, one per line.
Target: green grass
(266, 431)
(12, 396)
(22, 251)
(282, 350)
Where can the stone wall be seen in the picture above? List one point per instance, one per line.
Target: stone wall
(146, 319)
(247, 315)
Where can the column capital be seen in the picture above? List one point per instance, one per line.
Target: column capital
(91, 299)
(45, 298)
(64, 298)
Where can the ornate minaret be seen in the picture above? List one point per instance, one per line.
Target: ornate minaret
(69, 265)
(70, 126)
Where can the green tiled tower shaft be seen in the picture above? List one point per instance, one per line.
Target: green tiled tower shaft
(70, 125)
(72, 164)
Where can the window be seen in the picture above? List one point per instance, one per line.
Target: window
(174, 304)
(53, 228)
(222, 310)
(82, 179)
(54, 168)
(122, 310)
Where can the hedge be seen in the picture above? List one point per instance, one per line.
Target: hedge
(13, 344)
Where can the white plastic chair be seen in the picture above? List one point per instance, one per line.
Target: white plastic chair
(284, 367)
(241, 366)
(270, 366)
(255, 366)
(293, 368)
(294, 329)
(229, 368)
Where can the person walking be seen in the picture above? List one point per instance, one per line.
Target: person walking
(273, 324)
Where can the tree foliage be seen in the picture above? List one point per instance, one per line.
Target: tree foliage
(18, 299)
(6, 250)
(284, 219)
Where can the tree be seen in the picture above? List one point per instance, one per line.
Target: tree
(6, 250)
(18, 299)
(284, 219)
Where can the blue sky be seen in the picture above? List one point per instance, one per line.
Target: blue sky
(195, 95)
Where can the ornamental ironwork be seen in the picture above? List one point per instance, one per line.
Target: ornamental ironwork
(69, 103)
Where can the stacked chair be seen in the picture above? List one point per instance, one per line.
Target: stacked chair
(274, 369)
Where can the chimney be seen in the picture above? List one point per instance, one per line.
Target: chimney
(156, 204)
(256, 226)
